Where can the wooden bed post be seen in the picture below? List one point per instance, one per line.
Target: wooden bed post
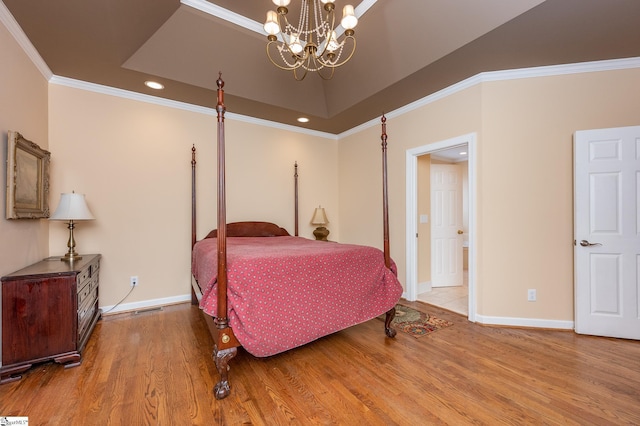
(224, 349)
(194, 298)
(193, 196)
(385, 196)
(391, 313)
(295, 209)
(222, 212)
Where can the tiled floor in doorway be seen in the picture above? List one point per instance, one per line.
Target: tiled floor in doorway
(455, 299)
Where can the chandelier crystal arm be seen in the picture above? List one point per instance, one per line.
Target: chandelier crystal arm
(332, 61)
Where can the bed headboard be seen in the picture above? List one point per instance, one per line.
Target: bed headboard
(252, 229)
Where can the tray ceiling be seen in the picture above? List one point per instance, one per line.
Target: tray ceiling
(406, 49)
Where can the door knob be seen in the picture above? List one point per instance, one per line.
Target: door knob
(460, 231)
(585, 243)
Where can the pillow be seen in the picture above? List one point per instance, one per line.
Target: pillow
(251, 229)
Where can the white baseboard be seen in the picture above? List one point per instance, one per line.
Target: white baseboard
(481, 319)
(144, 304)
(525, 322)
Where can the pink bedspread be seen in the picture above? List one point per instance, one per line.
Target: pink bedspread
(284, 292)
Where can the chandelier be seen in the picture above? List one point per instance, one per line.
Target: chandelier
(312, 45)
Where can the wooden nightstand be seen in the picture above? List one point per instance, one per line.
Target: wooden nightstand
(49, 310)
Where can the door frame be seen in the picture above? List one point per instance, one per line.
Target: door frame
(412, 213)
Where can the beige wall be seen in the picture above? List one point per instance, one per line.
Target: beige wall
(361, 176)
(526, 188)
(23, 108)
(133, 162)
(524, 179)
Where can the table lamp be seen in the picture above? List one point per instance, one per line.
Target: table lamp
(320, 218)
(72, 207)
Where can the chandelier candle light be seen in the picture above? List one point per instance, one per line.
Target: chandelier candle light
(312, 45)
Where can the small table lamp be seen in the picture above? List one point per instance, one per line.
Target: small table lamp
(320, 218)
(72, 207)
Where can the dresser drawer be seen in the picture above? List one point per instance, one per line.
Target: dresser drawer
(88, 289)
(87, 311)
(84, 277)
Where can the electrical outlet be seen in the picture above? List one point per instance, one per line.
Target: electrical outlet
(531, 295)
(134, 281)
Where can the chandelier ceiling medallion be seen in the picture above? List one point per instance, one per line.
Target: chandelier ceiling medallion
(312, 45)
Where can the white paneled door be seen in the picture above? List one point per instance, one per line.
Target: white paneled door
(446, 225)
(607, 232)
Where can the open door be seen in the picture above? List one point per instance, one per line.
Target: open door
(446, 226)
(607, 232)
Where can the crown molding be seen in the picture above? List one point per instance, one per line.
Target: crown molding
(227, 15)
(140, 97)
(514, 74)
(522, 73)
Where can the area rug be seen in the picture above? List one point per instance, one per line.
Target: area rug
(416, 323)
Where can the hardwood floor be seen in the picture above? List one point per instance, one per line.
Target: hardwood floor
(155, 368)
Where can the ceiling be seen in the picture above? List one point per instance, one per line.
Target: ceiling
(455, 154)
(406, 49)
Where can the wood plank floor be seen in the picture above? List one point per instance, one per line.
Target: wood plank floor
(156, 369)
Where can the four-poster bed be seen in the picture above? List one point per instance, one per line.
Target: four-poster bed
(267, 291)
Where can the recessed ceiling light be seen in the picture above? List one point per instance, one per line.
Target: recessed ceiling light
(153, 85)
(463, 153)
(303, 119)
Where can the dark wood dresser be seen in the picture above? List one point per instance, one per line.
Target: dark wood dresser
(49, 310)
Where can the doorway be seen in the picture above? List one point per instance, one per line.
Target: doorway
(417, 219)
(443, 229)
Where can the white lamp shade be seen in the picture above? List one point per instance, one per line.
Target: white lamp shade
(319, 217)
(72, 206)
(271, 25)
(349, 20)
